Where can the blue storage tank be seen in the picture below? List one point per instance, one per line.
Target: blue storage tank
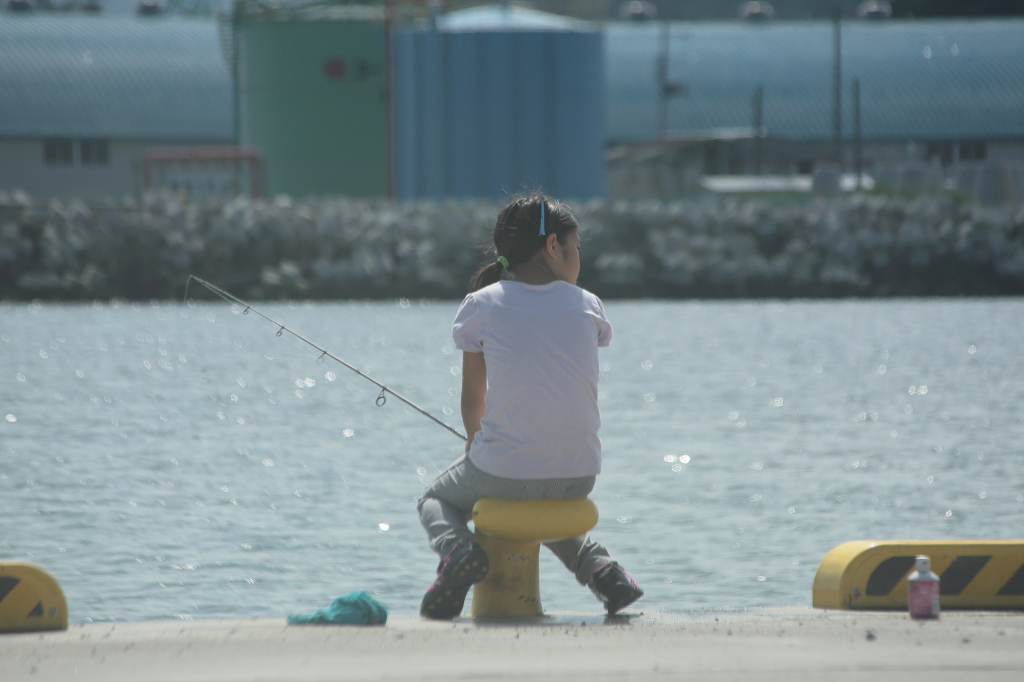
(496, 100)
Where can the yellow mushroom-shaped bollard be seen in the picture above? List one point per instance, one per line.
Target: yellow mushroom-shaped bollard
(30, 599)
(511, 533)
(872, 574)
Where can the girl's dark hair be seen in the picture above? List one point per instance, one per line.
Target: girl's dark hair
(517, 234)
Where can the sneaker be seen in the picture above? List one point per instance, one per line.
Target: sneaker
(463, 567)
(613, 586)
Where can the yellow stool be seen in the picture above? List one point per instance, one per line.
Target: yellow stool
(511, 533)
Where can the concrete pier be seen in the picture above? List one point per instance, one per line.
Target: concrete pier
(791, 644)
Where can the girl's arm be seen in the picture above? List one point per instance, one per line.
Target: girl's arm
(474, 386)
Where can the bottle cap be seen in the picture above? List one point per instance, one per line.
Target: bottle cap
(924, 563)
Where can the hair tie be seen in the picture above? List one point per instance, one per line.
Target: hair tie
(503, 261)
(542, 232)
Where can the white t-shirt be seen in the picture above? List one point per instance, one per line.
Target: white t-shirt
(540, 348)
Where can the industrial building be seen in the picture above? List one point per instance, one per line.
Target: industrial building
(85, 96)
(334, 99)
(929, 101)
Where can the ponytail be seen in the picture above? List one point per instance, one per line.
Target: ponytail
(485, 276)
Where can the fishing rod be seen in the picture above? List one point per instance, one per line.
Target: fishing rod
(384, 390)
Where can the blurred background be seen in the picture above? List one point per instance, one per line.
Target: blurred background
(168, 132)
(169, 460)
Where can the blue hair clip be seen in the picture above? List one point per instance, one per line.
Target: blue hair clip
(543, 233)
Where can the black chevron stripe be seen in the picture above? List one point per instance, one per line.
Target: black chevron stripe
(1015, 585)
(960, 573)
(7, 583)
(887, 574)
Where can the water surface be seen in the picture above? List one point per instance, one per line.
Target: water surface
(166, 461)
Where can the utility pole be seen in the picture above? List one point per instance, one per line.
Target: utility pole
(662, 76)
(389, 94)
(837, 83)
(758, 111)
(666, 88)
(857, 145)
(236, 89)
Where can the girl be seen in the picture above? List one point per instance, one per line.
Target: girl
(529, 402)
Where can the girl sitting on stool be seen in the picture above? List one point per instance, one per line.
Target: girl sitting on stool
(529, 403)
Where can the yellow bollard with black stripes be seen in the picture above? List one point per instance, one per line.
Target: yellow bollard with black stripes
(973, 574)
(30, 599)
(511, 533)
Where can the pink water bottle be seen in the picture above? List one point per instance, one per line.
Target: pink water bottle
(923, 590)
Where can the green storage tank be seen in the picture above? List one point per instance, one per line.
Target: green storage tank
(312, 97)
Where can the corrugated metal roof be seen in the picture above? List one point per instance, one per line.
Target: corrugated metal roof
(114, 77)
(919, 79)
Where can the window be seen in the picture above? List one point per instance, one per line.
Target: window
(93, 152)
(58, 152)
(972, 151)
(943, 151)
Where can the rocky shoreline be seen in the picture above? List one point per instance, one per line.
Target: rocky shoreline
(341, 248)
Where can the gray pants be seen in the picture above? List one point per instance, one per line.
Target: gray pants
(447, 506)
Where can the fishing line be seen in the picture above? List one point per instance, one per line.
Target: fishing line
(382, 398)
